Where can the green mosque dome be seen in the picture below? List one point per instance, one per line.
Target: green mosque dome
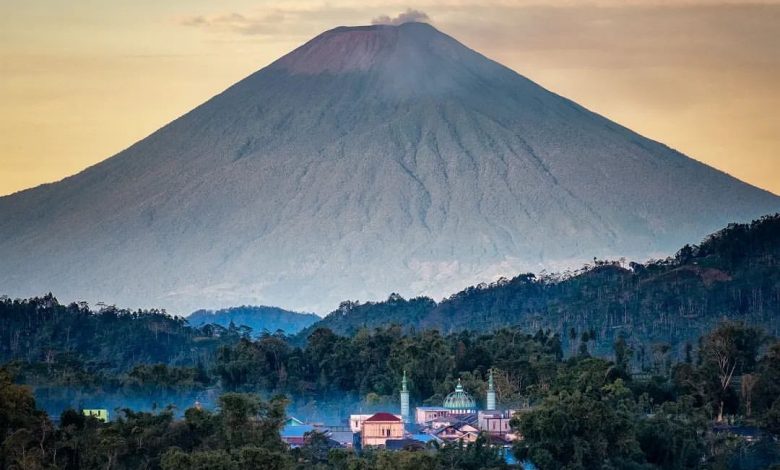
(460, 400)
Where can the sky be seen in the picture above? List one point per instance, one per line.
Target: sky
(81, 80)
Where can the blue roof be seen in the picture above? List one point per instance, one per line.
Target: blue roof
(342, 436)
(296, 431)
(422, 437)
(293, 421)
(432, 408)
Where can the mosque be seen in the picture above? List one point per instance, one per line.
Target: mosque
(457, 419)
(457, 403)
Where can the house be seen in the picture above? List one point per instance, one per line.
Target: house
(379, 427)
(356, 421)
(747, 433)
(460, 432)
(425, 414)
(293, 421)
(100, 414)
(495, 422)
(295, 435)
(345, 438)
(404, 444)
(425, 438)
(452, 420)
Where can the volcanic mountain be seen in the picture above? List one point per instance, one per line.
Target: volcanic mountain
(369, 160)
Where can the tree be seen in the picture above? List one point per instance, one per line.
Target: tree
(672, 438)
(476, 455)
(661, 359)
(577, 430)
(236, 411)
(315, 447)
(772, 419)
(572, 340)
(176, 459)
(246, 420)
(584, 338)
(730, 349)
(262, 457)
(767, 388)
(25, 431)
(623, 353)
(747, 385)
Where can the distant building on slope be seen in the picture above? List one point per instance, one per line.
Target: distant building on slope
(495, 422)
(356, 421)
(100, 414)
(426, 414)
(377, 429)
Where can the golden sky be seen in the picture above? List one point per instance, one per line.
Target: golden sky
(82, 79)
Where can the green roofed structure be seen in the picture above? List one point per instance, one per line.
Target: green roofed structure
(460, 401)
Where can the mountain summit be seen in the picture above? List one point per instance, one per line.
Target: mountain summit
(369, 160)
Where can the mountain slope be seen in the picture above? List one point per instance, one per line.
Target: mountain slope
(259, 318)
(371, 159)
(733, 274)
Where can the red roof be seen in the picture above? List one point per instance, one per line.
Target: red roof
(384, 417)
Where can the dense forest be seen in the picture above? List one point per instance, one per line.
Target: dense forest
(51, 346)
(734, 273)
(75, 346)
(259, 318)
(243, 433)
(41, 329)
(580, 412)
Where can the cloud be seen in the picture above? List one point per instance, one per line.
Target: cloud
(408, 16)
(236, 23)
(283, 22)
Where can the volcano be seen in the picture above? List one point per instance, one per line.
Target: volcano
(369, 160)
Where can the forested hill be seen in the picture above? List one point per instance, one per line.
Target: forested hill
(41, 330)
(733, 273)
(259, 318)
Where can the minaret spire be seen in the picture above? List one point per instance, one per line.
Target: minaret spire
(404, 400)
(491, 393)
